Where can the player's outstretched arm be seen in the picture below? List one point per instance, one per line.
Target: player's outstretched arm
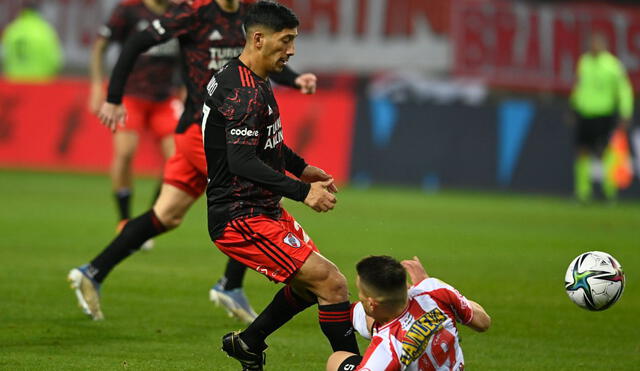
(305, 82)
(481, 320)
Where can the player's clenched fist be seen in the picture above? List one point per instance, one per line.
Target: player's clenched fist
(111, 115)
(319, 198)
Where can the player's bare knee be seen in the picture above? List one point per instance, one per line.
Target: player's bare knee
(169, 220)
(334, 288)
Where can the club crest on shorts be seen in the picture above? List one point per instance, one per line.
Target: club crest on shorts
(292, 240)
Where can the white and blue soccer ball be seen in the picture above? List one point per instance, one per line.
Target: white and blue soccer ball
(594, 280)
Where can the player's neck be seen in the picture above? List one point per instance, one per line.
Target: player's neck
(390, 315)
(251, 60)
(157, 6)
(229, 6)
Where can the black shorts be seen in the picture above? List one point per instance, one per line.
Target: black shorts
(350, 363)
(594, 133)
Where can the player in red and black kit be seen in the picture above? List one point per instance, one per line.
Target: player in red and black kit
(246, 161)
(148, 93)
(210, 33)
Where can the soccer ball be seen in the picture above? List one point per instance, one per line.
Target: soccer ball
(594, 280)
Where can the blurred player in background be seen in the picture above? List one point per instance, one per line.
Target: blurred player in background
(148, 95)
(247, 160)
(31, 47)
(210, 34)
(409, 330)
(602, 99)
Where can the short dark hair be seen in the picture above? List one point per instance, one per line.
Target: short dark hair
(382, 273)
(272, 15)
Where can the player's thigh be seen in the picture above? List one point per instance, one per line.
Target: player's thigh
(323, 278)
(189, 144)
(343, 361)
(167, 146)
(125, 143)
(181, 173)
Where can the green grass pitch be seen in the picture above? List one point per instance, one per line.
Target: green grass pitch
(508, 252)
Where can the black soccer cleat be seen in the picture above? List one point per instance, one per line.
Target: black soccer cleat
(236, 348)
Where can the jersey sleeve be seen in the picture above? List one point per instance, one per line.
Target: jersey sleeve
(445, 294)
(115, 29)
(294, 163)
(242, 111)
(359, 320)
(379, 356)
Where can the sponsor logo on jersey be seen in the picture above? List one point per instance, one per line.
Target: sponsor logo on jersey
(417, 337)
(263, 270)
(292, 240)
(222, 56)
(245, 132)
(274, 132)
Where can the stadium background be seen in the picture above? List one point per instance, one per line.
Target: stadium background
(437, 95)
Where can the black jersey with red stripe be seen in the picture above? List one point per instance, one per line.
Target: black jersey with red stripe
(209, 37)
(245, 150)
(151, 77)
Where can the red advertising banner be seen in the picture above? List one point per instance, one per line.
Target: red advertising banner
(536, 46)
(48, 127)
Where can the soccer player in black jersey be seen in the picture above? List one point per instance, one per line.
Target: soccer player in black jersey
(246, 161)
(210, 34)
(149, 94)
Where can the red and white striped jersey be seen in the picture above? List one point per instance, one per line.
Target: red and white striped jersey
(424, 337)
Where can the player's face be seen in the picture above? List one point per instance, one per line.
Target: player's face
(278, 48)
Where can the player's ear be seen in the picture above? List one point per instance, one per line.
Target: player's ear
(258, 39)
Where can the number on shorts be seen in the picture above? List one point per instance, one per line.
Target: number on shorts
(298, 227)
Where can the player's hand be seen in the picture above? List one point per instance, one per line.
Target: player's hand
(415, 270)
(319, 198)
(307, 83)
(112, 115)
(96, 97)
(312, 174)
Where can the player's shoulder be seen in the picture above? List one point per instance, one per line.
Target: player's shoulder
(434, 288)
(236, 75)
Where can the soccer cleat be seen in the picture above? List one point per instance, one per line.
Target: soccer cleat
(233, 345)
(87, 291)
(233, 301)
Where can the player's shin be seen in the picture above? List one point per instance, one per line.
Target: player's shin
(133, 235)
(285, 304)
(335, 322)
